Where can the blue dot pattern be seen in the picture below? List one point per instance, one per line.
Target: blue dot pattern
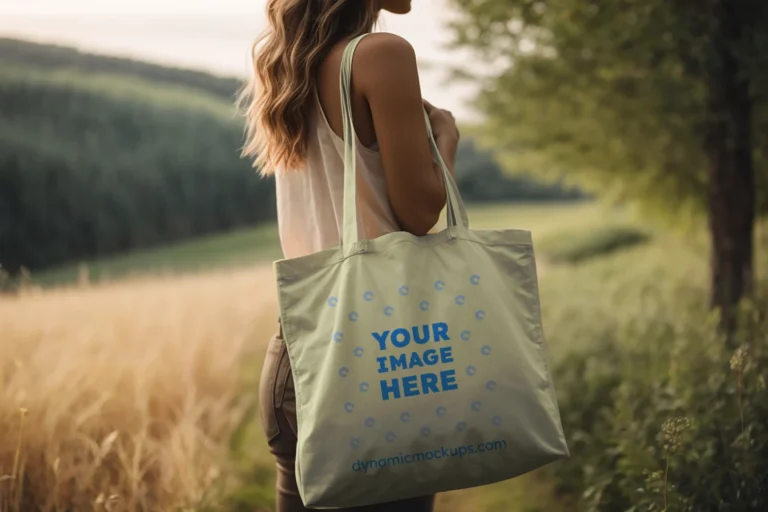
(423, 305)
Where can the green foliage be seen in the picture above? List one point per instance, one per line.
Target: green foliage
(91, 165)
(257, 493)
(575, 246)
(613, 95)
(14, 53)
(648, 388)
(481, 179)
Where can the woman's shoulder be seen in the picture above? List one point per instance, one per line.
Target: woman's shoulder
(384, 44)
(383, 53)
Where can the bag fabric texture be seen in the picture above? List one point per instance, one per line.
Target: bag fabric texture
(419, 362)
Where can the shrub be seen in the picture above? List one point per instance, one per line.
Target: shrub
(667, 415)
(584, 244)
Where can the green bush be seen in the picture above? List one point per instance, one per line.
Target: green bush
(584, 244)
(660, 412)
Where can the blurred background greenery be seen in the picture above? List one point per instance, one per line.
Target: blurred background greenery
(628, 136)
(104, 155)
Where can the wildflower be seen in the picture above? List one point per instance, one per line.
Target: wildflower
(655, 476)
(739, 358)
(673, 430)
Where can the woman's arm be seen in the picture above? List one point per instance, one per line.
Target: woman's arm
(386, 73)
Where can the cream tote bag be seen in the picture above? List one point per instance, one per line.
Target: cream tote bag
(419, 362)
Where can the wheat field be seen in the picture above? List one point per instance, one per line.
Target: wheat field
(123, 396)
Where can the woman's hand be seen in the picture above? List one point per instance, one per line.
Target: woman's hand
(446, 134)
(443, 123)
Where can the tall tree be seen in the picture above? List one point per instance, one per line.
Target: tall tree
(663, 101)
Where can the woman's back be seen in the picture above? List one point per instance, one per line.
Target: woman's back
(295, 127)
(310, 200)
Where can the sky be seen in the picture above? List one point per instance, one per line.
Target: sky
(216, 35)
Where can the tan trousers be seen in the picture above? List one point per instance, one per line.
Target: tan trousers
(278, 417)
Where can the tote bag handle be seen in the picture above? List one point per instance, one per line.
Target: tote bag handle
(456, 213)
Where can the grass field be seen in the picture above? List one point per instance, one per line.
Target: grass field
(139, 394)
(246, 247)
(238, 248)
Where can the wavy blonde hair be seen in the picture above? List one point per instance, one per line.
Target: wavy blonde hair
(286, 58)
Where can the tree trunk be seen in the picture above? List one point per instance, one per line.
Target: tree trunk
(731, 170)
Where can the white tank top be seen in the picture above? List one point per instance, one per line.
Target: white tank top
(310, 200)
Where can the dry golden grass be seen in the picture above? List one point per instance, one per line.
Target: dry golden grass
(131, 390)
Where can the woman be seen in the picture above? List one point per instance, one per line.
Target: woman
(294, 129)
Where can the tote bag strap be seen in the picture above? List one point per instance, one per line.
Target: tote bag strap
(456, 212)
